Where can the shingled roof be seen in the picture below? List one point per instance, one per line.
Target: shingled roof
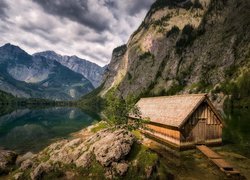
(170, 110)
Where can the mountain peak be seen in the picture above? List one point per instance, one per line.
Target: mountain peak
(11, 47)
(49, 53)
(11, 50)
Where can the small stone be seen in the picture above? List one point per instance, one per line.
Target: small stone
(7, 159)
(20, 159)
(26, 164)
(149, 171)
(40, 170)
(18, 176)
(121, 168)
(108, 174)
(70, 175)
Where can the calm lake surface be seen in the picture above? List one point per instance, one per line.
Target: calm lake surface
(26, 130)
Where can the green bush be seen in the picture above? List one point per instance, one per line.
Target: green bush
(117, 109)
(174, 30)
(146, 55)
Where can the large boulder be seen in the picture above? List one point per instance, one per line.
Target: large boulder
(7, 160)
(113, 147)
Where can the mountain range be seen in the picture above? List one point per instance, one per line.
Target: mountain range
(43, 76)
(91, 71)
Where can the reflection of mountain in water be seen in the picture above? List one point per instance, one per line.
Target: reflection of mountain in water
(31, 130)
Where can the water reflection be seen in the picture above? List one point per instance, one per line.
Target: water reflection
(31, 130)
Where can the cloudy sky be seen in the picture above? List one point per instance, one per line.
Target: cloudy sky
(90, 29)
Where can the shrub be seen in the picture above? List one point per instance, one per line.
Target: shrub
(117, 109)
(174, 30)
(146, 55)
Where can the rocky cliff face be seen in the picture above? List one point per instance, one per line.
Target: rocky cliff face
(24, 75)
(183, 47)
(91, 71)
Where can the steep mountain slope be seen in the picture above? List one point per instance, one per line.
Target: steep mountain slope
(184, 47)
(91, 71)
(24, 75)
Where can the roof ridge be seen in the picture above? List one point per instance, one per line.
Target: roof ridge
(178, 95)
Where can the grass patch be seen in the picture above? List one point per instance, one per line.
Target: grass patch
(100, 126)
(95, 171)
(137, 134)
(146, 55)
(141, 159)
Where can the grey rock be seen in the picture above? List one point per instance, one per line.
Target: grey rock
(20, 159)
(113, 147)
(7, 160)
(149, 171)
(26, 164)
(120, 168)
(40, 171)
(18, 176)
(84, 160)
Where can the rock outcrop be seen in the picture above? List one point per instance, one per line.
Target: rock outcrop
(107, 147)
(7, 160)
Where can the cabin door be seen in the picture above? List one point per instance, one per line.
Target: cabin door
(200, 132)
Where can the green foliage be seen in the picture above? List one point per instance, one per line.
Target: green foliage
(159, 4)
(145, 159)
(230, 71)
(146, 55)
(6, 98)
(174, 89)
(99, 126)
(120, 48)
(117, 109)
(161, 22)
(187, 37)
(92, 101)
(239, 91)
(129, 76)
(174, 30)
(95, 170)
(197, 4)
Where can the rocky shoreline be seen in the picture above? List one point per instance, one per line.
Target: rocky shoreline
(104, 154)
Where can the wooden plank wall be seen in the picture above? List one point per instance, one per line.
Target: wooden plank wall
(213, 127)
(174, 134)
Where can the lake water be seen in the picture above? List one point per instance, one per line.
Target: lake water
(26, 130)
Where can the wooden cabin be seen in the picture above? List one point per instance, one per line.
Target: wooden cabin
(182, 121)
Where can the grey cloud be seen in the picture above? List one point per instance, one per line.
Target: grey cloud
(43, 32)
(80, 11)
(96, 56)
(75, 10)
(3, 7)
